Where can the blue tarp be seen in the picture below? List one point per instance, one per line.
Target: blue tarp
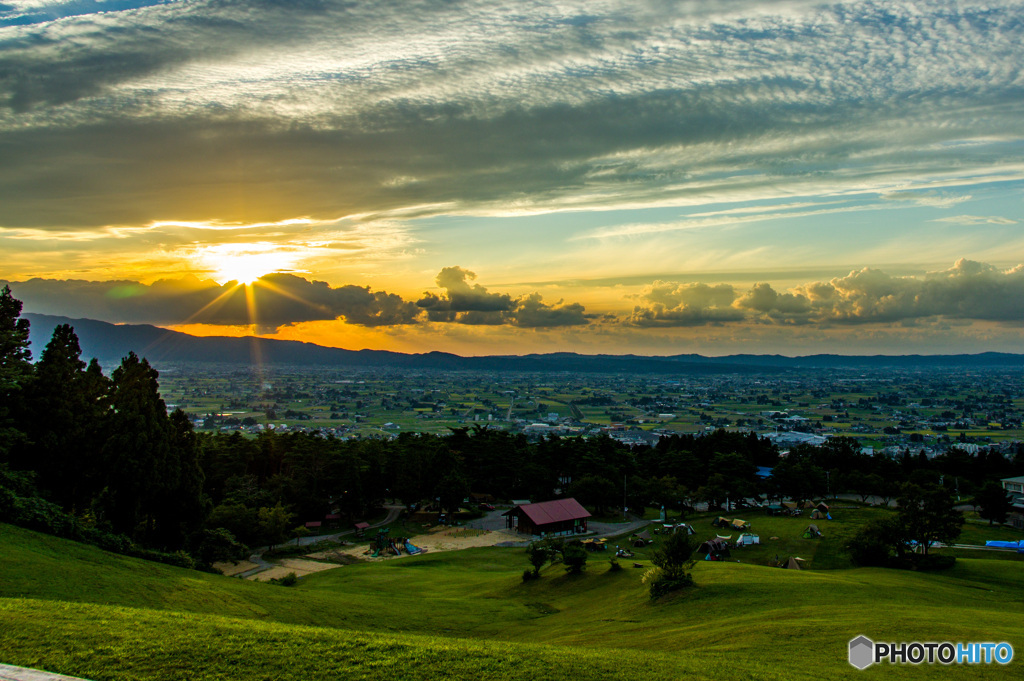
(1004, 544)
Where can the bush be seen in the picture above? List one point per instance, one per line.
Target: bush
(575, 557)
(290, 579)
(529, 575)
(613, 564)
(661, 585)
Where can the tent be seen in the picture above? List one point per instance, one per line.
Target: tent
(794, 564)
(643, 539)
(721, 522)
(738, 524)
(748, 539)
(808, 504)
(816, 515)
(773, 509)
(681, 527)
(812, 532)
(714, 548)
(823, 507)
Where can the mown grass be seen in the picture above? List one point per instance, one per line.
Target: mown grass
(74, 609)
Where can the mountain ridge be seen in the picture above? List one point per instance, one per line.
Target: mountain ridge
(109, 342)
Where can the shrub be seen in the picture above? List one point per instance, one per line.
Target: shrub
(529, 575)
(613, 564)
(575, 557)
(661, 585)
(290, 579)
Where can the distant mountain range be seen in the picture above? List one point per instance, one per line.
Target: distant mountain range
(110, 342)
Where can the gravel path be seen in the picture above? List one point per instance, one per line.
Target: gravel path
(10, 673)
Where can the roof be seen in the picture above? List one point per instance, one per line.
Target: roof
(557, 511)
(1019, 480)
(362, 526)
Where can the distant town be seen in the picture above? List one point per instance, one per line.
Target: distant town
(888, 412)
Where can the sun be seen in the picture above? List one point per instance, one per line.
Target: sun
(244, 263)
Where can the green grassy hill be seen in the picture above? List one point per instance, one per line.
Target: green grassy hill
(74, 609)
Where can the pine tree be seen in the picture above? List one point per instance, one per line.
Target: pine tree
(15, 370)
(61, 420)
(137, 449)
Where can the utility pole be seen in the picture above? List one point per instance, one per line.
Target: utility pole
(623, 496)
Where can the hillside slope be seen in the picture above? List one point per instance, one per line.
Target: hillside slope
(75, 609)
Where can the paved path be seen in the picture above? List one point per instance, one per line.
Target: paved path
(9, 673)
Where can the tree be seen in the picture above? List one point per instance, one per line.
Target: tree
(598, 492)
(137, 448)
(929, 515)
(273, 524)
(575, 557)
(994, 502)
(219, 545)
(673, 559)
(66, 407)
(15, 368)
(452, 490)
(537, 553)
(876, 543)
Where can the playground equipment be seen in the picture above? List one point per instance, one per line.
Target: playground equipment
(412, 550)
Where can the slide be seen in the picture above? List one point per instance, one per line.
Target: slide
(413, 550)
(394, 547)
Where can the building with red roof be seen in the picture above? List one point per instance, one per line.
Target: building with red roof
(561, 516)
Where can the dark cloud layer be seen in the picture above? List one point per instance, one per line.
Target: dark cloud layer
(277, 300)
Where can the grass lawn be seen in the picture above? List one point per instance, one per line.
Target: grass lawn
(75, 609)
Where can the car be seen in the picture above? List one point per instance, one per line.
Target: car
(486, 507)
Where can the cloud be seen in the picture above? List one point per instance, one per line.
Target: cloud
(273, 301)
(267, 111)
(970, 220)
(461, 296)
(967, 292)
(282, 299)
(472, 304)
(668, 304)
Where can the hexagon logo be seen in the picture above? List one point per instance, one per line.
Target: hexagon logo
(862, 652)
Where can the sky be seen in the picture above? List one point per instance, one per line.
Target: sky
(655, 178)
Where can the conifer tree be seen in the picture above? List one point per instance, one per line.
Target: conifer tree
(137, 450)
(15, 370)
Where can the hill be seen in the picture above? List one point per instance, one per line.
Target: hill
(111, 342)
(75, 609)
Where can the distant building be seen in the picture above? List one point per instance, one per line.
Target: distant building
(1013, 485)
(561, 516)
